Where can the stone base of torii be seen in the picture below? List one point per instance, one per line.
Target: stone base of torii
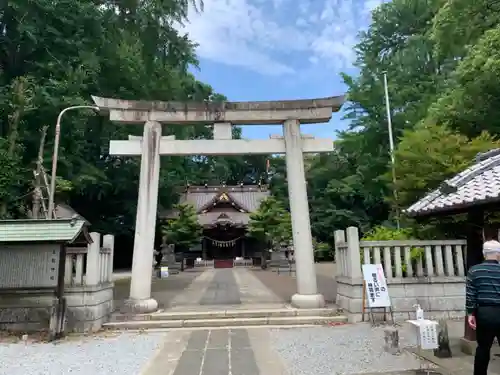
(290, 114)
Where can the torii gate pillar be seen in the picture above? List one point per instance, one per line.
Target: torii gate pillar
(145, 224)
(290, 114)
(307, 289)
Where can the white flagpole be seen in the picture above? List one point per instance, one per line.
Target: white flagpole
(391, 147)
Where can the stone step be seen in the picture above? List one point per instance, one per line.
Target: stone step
(228, 314)
(226, 322)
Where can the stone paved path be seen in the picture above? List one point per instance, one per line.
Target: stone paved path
(164, 291)
(217, 352)
(223, 289)
(237, 288)
(343, 350)
(285, 285)
(214, 289)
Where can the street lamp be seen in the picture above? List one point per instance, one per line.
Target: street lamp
(391, 147)
(56, 152)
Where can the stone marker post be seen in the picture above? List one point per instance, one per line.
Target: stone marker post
(93, 252)
(391, 341)
(108, 241)
(444, 350)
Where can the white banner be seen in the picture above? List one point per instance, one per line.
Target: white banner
(377, 293)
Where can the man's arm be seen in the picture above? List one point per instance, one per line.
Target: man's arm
(471, 292)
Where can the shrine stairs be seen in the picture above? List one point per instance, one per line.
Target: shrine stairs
(224, 297)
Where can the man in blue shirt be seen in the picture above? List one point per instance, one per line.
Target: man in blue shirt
(483, 303)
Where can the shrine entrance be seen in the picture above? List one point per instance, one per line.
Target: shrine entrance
(224, 212)
(224, 243)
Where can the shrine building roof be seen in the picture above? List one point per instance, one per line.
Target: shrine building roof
(243, 200)
(247, 197)
(477, 185)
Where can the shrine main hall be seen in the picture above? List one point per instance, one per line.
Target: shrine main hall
(224, 213)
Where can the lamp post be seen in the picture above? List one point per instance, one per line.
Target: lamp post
(56, 154)
(391, 147)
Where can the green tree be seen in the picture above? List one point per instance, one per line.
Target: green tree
(471, 102)
(322, 251)
(271, 223)
(54, 54)
(428, 155)
(458, 24)
(435, 76)
(183, 231)
(347, 187)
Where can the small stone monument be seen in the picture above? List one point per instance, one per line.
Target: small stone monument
(443, 351)
(169, 259)
(391, 340)
(278, 255)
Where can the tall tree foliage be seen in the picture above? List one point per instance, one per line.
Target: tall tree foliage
(442, 63)
(56, 53)
(441, 59)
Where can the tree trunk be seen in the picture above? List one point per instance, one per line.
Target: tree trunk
(19, 101)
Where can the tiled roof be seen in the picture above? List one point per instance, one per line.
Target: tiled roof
(60, 230)
(478, 184)
(238, 218)
(63, 211)
(247, 197)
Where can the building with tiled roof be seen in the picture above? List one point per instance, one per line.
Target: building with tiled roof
(224, 212)
(475, 191)
(476, 186)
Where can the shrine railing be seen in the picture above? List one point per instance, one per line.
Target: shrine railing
(400, 259)
(91, 265)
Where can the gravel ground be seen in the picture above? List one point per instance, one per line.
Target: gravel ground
(120, 354)
(349, 349)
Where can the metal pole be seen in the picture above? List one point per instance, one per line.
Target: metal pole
(37, 196)
(391, 147)
(55, 155)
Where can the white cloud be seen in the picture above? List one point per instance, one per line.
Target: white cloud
(277, 37)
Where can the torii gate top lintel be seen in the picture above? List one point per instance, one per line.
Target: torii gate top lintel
(239, 113)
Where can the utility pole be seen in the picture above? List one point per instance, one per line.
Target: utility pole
(37, 195)
(391, 149)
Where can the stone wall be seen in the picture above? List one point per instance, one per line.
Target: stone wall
(88, 308)
(26, 310)
(31, 310)
(88, 292)
(436, 281)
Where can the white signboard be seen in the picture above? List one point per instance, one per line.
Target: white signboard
(429, 336)
(163, 272)
(427, 333)
(377, 293)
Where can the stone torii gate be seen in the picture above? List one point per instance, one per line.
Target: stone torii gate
(290, 114)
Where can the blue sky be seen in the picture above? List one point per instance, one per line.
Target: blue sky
(278, 49)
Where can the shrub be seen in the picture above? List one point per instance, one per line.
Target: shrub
(381, 233)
